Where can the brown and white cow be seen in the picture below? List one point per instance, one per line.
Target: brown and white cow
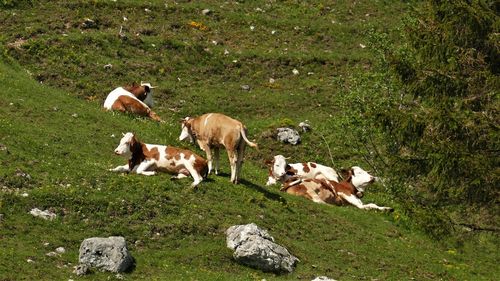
(213, 130)
(330, 192)
(135, 99)
(146, 159)
(280, 170)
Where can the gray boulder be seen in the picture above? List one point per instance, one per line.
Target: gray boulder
(106, 254)
(288, 135)
(254, 247)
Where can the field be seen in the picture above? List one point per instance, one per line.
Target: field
(59, 59)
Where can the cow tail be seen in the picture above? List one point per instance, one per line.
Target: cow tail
(243, 134)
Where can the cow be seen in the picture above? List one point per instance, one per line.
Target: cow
(331, 192)
(213, 130)
(134, 98)
(279, 170)
(147, 159)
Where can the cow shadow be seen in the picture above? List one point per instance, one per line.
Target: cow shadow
(268, 194)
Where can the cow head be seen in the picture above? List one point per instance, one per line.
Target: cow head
(360, 178)
(278, 166)
(186, 130)
(142, 92)
(149, 93)
(126, 143)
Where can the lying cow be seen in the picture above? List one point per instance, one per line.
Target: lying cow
(213, 130)
(146, 159)
(279, 170)
(331, 192)
(135, 99)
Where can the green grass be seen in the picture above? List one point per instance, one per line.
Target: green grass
(54, 129)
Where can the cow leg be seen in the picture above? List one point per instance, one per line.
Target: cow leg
(142, 169)
(270, 180)
(124, 168)
(154, 116)
(179, 176)
(196, 176)
(352, 199)
(118, 105)
(206, 148)
(216, 158)
(232, 161)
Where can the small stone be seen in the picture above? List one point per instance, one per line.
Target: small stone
(322, 278)
(305, 126)
(52, 254)
(88, 23)
(288, 135)
(206, 12)
(60, 250)
(46, 215)
(81, 269)
(245, 87)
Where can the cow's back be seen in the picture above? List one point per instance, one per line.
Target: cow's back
(216, 128)
(118, 92)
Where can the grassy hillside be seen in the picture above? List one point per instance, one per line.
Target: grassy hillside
(52, 128)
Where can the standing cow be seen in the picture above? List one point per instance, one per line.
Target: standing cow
(213, 130)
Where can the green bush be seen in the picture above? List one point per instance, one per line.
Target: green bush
(435, 95)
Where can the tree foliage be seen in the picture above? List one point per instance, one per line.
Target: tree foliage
(435, 94)
(445, 127)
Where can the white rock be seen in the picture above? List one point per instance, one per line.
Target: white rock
(46, 215)
(323, 278)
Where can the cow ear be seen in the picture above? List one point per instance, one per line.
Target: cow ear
(268, 162)
(146, 88)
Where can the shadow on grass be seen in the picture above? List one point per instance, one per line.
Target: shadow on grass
(269, 195)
